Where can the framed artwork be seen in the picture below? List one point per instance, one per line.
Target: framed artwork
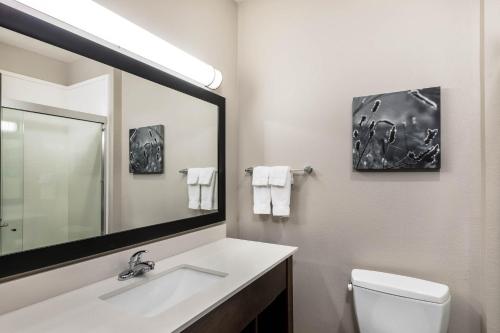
(146, 145)
(399, 131)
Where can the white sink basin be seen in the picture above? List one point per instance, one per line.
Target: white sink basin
(160, 292)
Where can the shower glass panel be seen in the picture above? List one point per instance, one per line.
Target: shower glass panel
(12, 196)
(52, 178)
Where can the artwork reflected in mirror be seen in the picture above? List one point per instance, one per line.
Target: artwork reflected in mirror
(67, 147)
(146, 149)
(397, 131)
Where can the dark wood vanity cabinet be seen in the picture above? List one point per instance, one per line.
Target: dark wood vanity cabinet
(264, 306)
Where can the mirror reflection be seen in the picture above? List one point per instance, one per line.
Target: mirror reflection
(87, 149)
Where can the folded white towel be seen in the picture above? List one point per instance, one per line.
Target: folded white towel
(280, 196)
(261, 200)
(194, 190)
(208, 181)
(261, 190)
(193, 176)
(278, 175)
(206, 175)
(260, 176)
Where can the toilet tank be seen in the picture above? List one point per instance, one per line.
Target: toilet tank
(389, 303)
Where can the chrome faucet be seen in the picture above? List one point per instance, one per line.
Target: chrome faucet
(136, 266)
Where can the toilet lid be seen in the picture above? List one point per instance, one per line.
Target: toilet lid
(399, 285)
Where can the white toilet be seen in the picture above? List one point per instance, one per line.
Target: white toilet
(388, 303)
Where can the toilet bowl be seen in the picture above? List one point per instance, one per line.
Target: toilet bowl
(389, 303)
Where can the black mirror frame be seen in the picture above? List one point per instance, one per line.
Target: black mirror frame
(33, 261)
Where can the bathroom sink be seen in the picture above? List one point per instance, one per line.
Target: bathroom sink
(160, 292)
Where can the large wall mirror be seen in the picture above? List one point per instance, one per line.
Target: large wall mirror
(95, 149)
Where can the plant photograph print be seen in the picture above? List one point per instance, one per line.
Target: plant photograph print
(397, 131)
(146, 150)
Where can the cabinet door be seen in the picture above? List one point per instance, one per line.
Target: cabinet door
(269, 296)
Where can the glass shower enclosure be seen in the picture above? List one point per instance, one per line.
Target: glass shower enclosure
(52, 177)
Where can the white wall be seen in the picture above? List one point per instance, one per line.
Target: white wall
(90, 96)
(300, 64)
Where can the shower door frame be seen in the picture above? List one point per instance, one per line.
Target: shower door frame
(68, 114)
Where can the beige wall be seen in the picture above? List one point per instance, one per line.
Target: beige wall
(47, 67)
(17, 60)
(491, 244)
(206, 29)
(190, 139)
(300, 64)
(86, 69)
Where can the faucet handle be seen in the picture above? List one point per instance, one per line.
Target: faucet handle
(136, 258)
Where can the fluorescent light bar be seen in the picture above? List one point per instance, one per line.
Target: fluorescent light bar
(92, 18)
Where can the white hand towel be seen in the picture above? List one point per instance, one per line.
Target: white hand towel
(260, 176)
(278, 175)
(280, 196)
(261, 190)
(193, 176)
(208, 181)
(206, 175)
(194, 190)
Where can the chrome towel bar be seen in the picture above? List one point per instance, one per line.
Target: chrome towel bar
(306, 170)
(185, 171)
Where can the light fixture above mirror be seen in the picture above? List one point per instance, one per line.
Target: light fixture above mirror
(102, 23)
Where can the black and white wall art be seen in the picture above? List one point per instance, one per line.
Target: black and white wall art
(146, 150)
(397, 131)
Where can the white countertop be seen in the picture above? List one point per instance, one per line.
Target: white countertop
(82, 310)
